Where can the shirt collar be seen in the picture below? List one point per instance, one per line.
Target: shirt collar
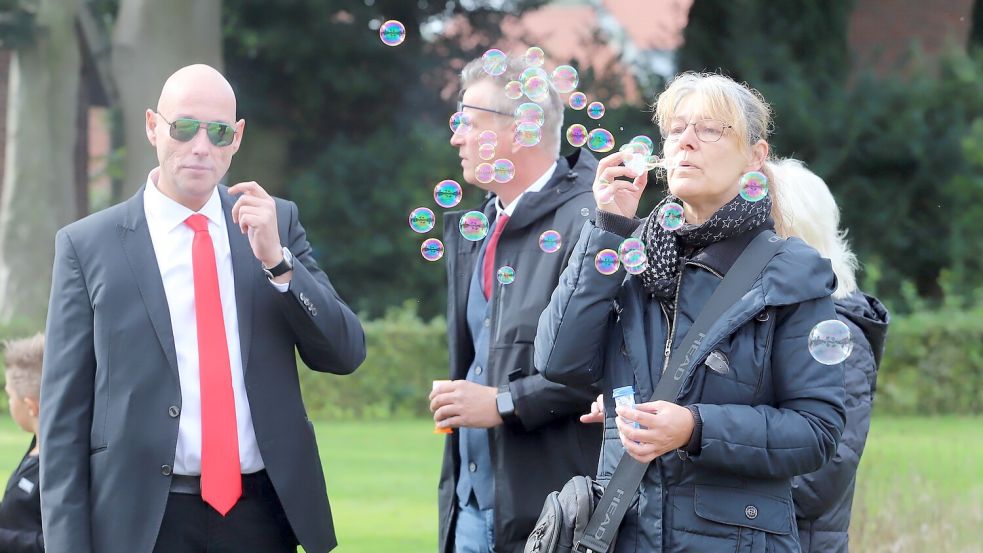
(169, 214)
(536, 186)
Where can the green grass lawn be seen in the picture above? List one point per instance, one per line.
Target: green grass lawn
(920, 484)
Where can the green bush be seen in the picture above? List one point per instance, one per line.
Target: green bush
(405, 356)
(933, 364)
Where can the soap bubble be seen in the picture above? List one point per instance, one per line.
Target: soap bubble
(671, 216)
(830, 342)
(754, 186)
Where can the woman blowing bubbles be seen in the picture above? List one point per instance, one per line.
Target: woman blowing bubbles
(757, 409)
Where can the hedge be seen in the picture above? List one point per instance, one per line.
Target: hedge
(933, 365)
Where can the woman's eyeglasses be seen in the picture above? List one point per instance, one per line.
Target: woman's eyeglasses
(184, 129)
(707, 130)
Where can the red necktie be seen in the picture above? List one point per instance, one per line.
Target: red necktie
(221, 479)
(488, 267)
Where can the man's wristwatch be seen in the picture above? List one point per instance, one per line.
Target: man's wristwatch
(506, 407)
(283, 267)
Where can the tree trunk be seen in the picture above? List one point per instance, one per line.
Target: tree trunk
(152, 40)
(39, 178)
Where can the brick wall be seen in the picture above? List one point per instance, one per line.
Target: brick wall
(881, 31)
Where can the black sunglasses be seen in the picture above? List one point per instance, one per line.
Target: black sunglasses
(184, 129)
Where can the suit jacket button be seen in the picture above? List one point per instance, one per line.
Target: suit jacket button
(303, 297)
(314, 312)
(751, 512)
(165, 470)
(173, 411)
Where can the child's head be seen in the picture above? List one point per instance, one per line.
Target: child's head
(22, 360)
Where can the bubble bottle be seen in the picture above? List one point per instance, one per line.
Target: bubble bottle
(625, 397)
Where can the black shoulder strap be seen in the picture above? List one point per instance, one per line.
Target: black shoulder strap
(624, 483)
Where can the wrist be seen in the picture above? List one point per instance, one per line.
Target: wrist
(693, 446)
(505, 404)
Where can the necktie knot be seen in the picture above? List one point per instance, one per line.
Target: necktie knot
(197, 222)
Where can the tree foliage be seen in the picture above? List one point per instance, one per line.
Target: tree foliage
(897, 151)
(366, 126)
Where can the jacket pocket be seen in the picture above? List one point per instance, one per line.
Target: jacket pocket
(710, 519)
(741, 507)
(514, 360)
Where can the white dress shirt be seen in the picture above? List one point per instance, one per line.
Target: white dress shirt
(172, 245)
(534, 187)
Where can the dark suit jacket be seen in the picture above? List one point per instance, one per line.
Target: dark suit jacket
(110, 385)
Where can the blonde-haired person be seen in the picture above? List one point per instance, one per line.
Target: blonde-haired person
(823, 499)
(20, 511)
(757, 409)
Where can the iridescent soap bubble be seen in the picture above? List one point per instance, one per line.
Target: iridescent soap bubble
(754, 186)
(606, 262)
(494, 62)
(531, 72)
(671, 216)
(486, 152)
(392, 33)
(595, 110)
(432, 249)
(536, 89)
(529, 112)
(422, 219)
(634, 258)
(447, 193)
(577, 135)
(487, 137)
(506, 274)
(461, 122)
(600, 140)
(577, 100)
(550, 241)
(484, 172)
(528, 134)
(636, 269)
(634, 155)
(513, 90)
(504, 170)
(646, 141)
(830, 342)
(565, 79)
(630, 245)
(474, 226)
(535, 56)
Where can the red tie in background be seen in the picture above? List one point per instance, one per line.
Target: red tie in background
(488, 267)
(221, 480)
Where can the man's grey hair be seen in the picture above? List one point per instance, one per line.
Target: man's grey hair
(474, 73)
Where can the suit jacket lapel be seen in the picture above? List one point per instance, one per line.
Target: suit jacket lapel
(245, 269)
(139, 249)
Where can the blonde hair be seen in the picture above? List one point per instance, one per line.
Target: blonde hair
(722, 98)
(809, 212)
(22, 360)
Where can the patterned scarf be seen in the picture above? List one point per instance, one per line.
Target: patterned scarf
(663, 247)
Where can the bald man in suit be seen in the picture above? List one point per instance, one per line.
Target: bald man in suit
(173, 417)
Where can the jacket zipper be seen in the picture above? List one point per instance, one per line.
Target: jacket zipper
(675, 312)
(675, 309)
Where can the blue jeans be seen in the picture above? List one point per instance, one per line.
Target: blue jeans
(474, 531)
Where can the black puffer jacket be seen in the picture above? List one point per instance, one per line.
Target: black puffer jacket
(823, 499)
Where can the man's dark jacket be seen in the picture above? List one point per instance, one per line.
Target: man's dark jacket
(548, 444)
(823, 499)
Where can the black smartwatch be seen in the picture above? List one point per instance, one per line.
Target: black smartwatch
(283, 267)
(506, 407)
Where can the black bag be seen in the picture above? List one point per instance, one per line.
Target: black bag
(565, 516)
(568, 522)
